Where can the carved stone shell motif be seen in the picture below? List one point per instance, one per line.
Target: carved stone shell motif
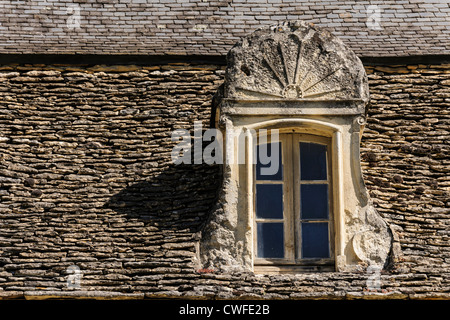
(294, 61)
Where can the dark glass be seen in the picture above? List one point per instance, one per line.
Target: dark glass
(270, 240)
(314, 201)
(269, 201)
(264, 159)
(315, 242)
(313, 161)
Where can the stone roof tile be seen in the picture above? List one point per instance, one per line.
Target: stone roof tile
(160, 27)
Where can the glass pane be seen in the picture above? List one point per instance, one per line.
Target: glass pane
(269, 201)
(313, 161)
(270, 240)
(269, 165)
(315, 243)
(314, 201)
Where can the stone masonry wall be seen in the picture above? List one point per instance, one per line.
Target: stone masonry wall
(86, 175)
(406, 160)
(86, 180)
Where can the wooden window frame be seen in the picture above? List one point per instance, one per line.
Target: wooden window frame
(293, 260)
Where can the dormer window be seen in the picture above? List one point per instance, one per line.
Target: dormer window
(313, 213)
(293, 206)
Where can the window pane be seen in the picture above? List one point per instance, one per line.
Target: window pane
(269, 201)
(314, 201)
(269, 165)
(270, 240)
(315, 243)
(313, 161)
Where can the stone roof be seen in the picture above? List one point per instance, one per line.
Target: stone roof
(86, 180)
(200, 27)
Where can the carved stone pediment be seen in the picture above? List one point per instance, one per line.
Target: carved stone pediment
(295, 61)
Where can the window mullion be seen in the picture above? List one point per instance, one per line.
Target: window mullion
(287, 181)
(295, 158)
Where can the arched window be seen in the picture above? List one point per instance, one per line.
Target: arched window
(296, 94)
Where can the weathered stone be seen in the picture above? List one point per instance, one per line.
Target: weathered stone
(312, 83)
(32, 237)
(294, 61)
(36, 193)
(29, 182)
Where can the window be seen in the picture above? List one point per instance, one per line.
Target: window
(314, 212)
(292, 206)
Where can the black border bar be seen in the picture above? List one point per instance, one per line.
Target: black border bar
(125, 59)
